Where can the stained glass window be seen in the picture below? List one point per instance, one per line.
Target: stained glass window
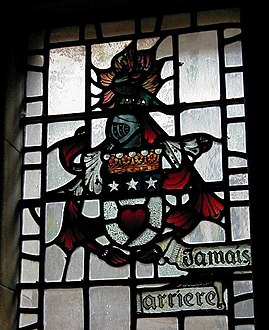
(135, 202)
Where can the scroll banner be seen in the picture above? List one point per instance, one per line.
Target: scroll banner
(207, 296)
(187, 257)
(194, 296)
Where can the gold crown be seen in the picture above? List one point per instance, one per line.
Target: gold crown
(145, 160)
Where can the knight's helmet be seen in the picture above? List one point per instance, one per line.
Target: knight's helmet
(125, 130)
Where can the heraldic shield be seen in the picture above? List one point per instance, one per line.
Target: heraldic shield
(147, 188)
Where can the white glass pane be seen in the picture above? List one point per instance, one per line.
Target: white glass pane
(98, 131)
(103, 53)
(199, 75)
(209, 164)
(203, 120)
(240, 223)
(233, 54)
(236, 110)
(63, 309)
(57, 176)
(66, 80)
(206, 231)
(59, 131)
(234, 85)
(236, 137)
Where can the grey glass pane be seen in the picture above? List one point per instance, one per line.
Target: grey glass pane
(34, 84)
(118, 28)
(54, 263)
(109, 308)
(36, 60)
(33, 135)
(218, 16)
(29, 226)
(34, 109)
(244, 309)
(174, 21)
(231, 32)
(54, 213)
(241, 287)
(101, 270)
(27, 319)
(63, 309)
(90, 32)
(164, 323)
(69, 33)
(148, 24)
(75, 269)
(32, 184)
(29, 298)
(32, 157)
(29, 271)
(144, 270)
(36, 39)
(206, 322)
(30, 247)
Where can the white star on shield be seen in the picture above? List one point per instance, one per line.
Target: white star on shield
(151, 182)
(132, 184)
(113, 186)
